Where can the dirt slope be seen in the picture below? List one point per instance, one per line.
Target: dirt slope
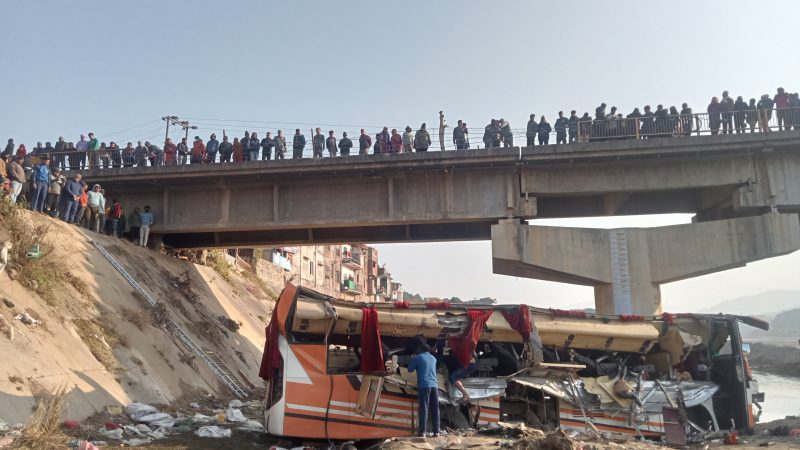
(100, 338)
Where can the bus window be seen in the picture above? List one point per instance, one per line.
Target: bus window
(276, 385)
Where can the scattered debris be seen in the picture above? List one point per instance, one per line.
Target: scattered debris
(235, 415)
(8, 303)
(235, 403)
(27, 319)
(213, 431)
(229, 323)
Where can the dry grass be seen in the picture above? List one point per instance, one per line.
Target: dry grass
(216, 260)
(100, 339)
(43, 430)
(135, 316)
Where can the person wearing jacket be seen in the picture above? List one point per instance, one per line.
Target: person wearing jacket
(531, 131)
(714, 109)
(17, 174)
(561, 128)
(726, 110)
(345, 144)
(146, 220)
(9, 150)
(135, 223)
(81, 148)
(506, 135)
(365, 142)
(170, 153)
(544, 129)
(317, 143)
(781, 101)
(298, 144)
(280, 145)
(739, 108)
(752, 115)
(238, 150)
(83, 207)
(572, 126)
(330, 144)
(96, 202)
(408, 140)
(183, 151)
(422, 140)
(396, 141)
(70, 196)
(199, 150)
(225, 150)
(54, 192)
(686, 119)
(765, 112)
(128, 155)
(266, 146)
(384, 141)
(59, 154)
(459, 138)
(253, 145)
(41, 184)
(93, 148)
(212, 147)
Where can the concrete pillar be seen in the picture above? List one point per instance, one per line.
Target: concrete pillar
(626, 266)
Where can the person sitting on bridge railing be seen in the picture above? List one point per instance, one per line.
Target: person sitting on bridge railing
(544, 131)
(714, 109)
(739, 108)
(298, 144)
(212, 147)
(266, 147)
(561, 128)
(726, 110)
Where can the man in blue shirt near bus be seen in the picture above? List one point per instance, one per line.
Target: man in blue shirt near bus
(424, 363)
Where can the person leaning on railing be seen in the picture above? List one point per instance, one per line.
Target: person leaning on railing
(765, 112)
(686, 119)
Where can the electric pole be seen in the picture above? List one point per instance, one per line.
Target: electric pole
(175, 121)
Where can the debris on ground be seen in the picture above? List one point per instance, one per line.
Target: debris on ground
(213, 431)
(27, 319)
(229, 323)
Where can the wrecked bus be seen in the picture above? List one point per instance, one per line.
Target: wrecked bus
(330, 369)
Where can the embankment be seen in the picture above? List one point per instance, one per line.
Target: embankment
(778, 360)
(100, 339)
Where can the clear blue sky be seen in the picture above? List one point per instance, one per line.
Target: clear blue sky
(70, 67)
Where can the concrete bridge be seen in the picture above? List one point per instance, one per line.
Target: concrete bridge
(743, 189)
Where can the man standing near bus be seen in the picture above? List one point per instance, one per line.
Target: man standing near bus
(424, 363)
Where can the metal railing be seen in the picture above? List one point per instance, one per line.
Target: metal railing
(644, 127)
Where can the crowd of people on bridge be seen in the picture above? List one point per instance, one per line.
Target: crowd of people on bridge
(723, 115)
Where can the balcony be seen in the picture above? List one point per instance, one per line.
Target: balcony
(350, 287)
(351, 262)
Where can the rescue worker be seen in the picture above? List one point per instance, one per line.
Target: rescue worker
(298, 144)
(572, 126)
(424, 363)
(561, 128)
(318, 143)
(330, 143)
(544, 131)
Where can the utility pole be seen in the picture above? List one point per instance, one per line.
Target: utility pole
(174, 120)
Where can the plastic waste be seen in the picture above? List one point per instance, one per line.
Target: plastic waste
(138, 410)
(213, 431)
(235, 403)
(235, 415)
(252, 425)
(136, 441)
(71, 424)
(113, 434)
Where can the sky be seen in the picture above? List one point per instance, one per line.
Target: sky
(115, 68)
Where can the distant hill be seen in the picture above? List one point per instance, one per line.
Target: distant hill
(766, 304)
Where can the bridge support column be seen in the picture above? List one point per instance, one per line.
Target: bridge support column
(626, 266)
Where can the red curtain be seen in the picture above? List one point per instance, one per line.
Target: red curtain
(271, 359)
(520, 321)
(464, 346)
(371, 348)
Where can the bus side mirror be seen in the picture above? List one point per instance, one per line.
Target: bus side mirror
(746, 349)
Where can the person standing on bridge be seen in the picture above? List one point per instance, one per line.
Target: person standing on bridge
(726, 108)
(793, 116)
(572, 126)
(781, 101)
(544, 131)
(253, 145)
(422, 140)
(183, 150)
(531, 131)
(170, 153)
(266, 147)
(199, 150)
(298, 144)
(238, 150)
(765, 112)
(225, 150)
(345, 144)
(317, 143)
(459, 139)
(93, 150)
(561, 128)
(396, 141)
(330, 144)
(752, 115)
(146, 220)
(506, 135)
(686, 119)
(280, 145)
(714, 109)
(212, 147)
(408, 140)
(739, 108)
(364, 143)
(385, 141)
(245, 141)
(81, 148)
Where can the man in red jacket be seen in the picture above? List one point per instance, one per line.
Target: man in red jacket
(198, 151)
(781, 103)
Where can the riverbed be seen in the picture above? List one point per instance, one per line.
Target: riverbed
(782, 396)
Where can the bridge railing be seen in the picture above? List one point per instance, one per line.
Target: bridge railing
(674, 125)
(664, 125)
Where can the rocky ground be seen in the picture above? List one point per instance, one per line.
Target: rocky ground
(778, 360)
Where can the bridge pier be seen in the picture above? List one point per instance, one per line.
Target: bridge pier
(626, 266)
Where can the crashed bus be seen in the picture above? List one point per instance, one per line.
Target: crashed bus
(335, 369)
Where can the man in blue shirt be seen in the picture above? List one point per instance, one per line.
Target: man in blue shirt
(41, 183)
(147, 220)
(424, 364)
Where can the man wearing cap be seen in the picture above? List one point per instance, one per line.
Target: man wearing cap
(41, 183)
(212, 147)
(317, 143)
